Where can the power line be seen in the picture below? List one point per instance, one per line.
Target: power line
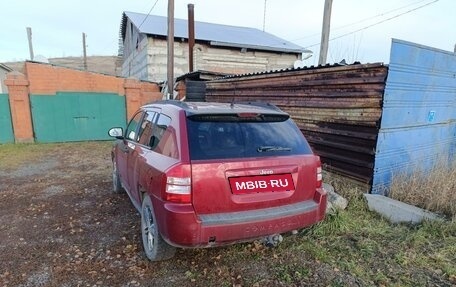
(153, 6)
(148, 14)
(363, 20)
(377, 23)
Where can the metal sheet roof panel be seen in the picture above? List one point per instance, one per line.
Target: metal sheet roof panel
(216, 34)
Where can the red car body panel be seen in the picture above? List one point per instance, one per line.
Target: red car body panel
(182, 227)
(217, 215)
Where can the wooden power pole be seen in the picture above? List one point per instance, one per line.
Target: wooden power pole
(325, 33)
(191, 35)
(170, 63)
(84, 50)
(29, 37)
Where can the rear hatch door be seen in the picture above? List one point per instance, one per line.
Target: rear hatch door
(244, 161)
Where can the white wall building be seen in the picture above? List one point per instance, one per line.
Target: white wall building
(218, 48)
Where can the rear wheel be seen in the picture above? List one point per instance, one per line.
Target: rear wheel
(116, 185)
(155, 247)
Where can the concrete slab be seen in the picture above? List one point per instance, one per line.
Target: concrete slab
(396, 211)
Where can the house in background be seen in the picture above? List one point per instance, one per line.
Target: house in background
(3, 71)
(218, 48)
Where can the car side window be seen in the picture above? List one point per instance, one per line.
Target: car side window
(168, 144)
(159, 130)
(132, 128)
(147, 127)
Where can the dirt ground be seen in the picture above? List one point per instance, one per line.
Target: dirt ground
(60, 225)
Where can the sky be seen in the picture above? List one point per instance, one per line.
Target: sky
(361, 30)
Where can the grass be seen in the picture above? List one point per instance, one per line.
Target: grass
(434, 190)
(353, 247)
(376, 252)
(22, 153)
(364, 245)
(25, 152)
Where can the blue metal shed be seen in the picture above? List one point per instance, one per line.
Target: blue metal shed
(418, 124)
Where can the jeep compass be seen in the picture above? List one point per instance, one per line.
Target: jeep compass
(210, 174)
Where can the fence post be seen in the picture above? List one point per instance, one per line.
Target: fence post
(132, 96)
(19, 100)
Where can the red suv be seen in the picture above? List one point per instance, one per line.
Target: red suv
(209, 174)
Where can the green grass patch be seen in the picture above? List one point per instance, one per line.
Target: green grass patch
(291, 273)
(14, 155)
(365, 245)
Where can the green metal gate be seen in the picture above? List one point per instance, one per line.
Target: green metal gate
(6, 127)
(76, 116)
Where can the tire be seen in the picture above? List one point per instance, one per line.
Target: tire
(116, 184)
(155, 247)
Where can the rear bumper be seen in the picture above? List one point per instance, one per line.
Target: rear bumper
(180, 226)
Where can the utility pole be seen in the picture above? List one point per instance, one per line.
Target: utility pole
(325, 32)
(191, 35)
(264, 15)
(29, 37)
(170, 48)
(84, 50)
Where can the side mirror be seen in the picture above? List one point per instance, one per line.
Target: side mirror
(116, 133)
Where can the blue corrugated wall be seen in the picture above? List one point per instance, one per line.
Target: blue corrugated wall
(418, 122)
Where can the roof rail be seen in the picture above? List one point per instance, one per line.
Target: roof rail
(172, 102)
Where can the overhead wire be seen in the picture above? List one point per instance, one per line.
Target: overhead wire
(364, 20)
(148, 14)
(375, 24)
(153, 6)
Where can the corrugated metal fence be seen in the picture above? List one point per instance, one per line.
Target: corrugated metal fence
(418, 123)
(76, 116)
(6, 127)
(337, 108)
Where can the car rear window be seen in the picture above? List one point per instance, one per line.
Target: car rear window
(244, 135)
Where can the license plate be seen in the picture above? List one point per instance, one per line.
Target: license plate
(262, 183)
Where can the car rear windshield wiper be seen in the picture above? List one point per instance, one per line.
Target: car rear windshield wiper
(272, 148)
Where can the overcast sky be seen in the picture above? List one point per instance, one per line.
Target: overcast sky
(369, 25)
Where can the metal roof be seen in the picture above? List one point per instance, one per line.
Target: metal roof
(286, 70)
(215, 34)
(201, 75)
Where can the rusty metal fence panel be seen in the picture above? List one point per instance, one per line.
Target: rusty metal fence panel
(337, 108)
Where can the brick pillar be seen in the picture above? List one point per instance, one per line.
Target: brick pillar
(132, 96)
(20, 107)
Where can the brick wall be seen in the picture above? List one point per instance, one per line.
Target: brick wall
(46, 79)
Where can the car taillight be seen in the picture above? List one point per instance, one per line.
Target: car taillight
(319, 177)
(178, 184)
